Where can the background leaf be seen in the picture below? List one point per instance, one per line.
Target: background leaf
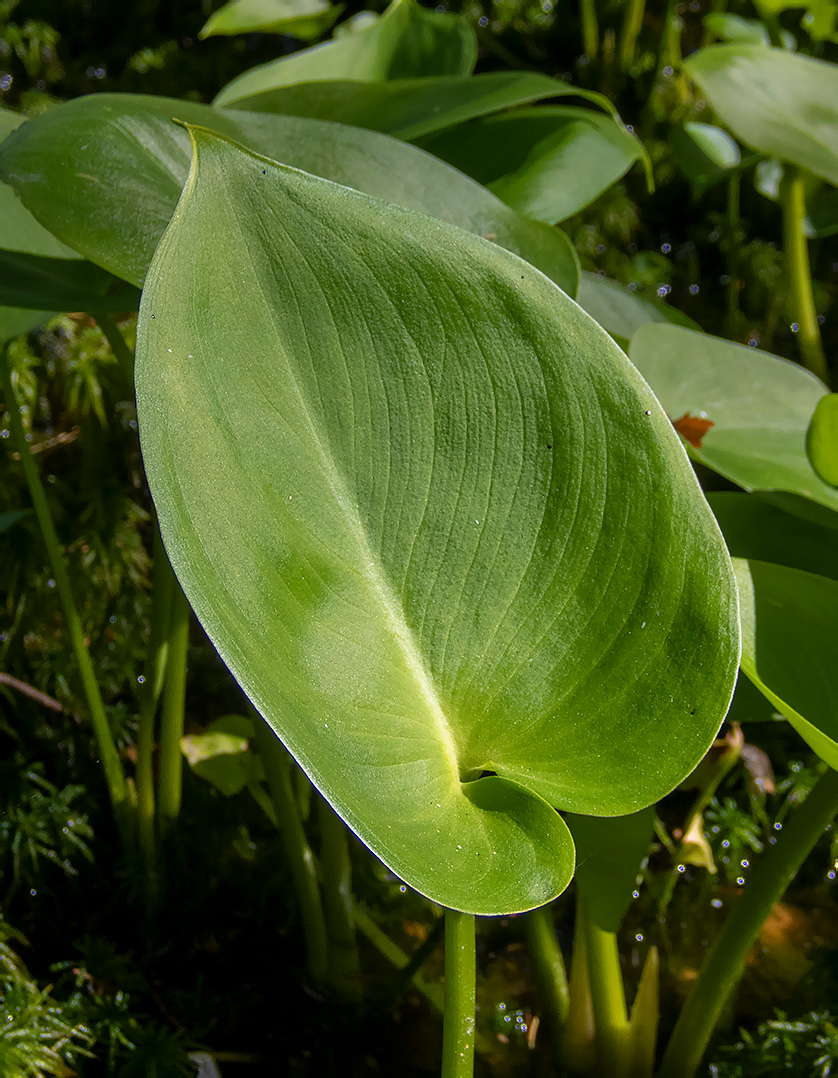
(404, 483)
(86, 164)
(789, 629)
(303, 19)
(622, 312)
(778, 103)
(547, 162)
(759, 404)
(412, 108)
(608, 856)
(822, 439)
(408, 41)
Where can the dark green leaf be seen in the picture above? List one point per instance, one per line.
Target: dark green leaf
(789, 629)
(406, 485)
(413, 108)
(621, 312)
(548, 162)
(105, 173)
(37, 282)
(756, 529)
(704, 153)
(609, 852)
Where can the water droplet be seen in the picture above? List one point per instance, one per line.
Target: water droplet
(639, 937)
(50, 583)
(693, 289)
(681, 868)
(794, 327)
(141, 679)
(666, 248)
(648, 411)
(668, 70)
(744, 864)
(778, 827)
(725, 843)
(716, 903)
(635, 894)
(664, 290)
(740, 880)
(403, 889)
(33, 892)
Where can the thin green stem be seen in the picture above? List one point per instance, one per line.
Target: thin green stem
(550, 973)
(458, 1020)
(111, 763)
(612, 1025)
(277, 764)
(632, 24)
(163, 585)
(123, 354)
(590, 28)
(793, 199)
(336, 880)
(724, 963)
(170, 772)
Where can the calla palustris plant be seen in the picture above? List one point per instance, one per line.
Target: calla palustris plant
(433, 520)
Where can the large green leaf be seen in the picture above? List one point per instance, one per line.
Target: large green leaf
(407, 486)
(756, 528)
(609, 853)
(408, 41)
(303, 19)
(759, 405)
(548, 162)
(105, 172)
(622, 312)
(789, 629)
(704, 153)
(778, 103)
(413, 108)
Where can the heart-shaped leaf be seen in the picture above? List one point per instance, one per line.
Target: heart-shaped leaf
(413, 108)
(109, 158)
(789, 629)
(759, 406)
(405, 483)
(608, 857)
(759, 530)
(408, 41)
(548, 162)
(303, 19)
(779, 103)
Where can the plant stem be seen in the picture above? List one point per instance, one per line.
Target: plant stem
(632, 24)
(122, 353)
(170, 774)
(793, 199)
(111, 763)
(608, 995)
(458, 1020)
(550, 974)
(725, 961)
(590, 28)
(579, 1053)
(337, 901)
(163, 585)
(277, 764)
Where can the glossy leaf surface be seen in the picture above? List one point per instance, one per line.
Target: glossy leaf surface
(105, 173)
(548, 162)
(404, 482)
(704, 153)
(757, 529)
(789, 629)
(822, 439)
(759, 405)
(408, 41)
(622, 312)
(776, 102)
(608, 857)
(303, 19)
(413, 108)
